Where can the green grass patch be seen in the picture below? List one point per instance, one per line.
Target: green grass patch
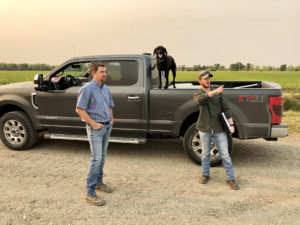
(287, 80)
(291, 100)
(292, 118)
(7, 77)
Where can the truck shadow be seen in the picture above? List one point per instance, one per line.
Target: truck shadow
(164, 150)
(256, 152)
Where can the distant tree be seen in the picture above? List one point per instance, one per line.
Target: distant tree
(24, 66)
(181, 67)
(222, 68)
(290, 68)
(12, 66)
(249, 66)
(196, 68)
(257, 68)
(283, 67)
(297, 68)
(3, 66)
(237, 66)
(217, 66)
(233, 67)
(267, 68)
(210, 68)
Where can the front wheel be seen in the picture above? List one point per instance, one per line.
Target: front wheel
(17, 131)
(192, 146)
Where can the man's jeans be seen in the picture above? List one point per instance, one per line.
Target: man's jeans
(222, 146)
(98, 144)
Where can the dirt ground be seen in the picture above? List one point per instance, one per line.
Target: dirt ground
(154, 184)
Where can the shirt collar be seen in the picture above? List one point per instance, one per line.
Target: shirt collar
(95, 84)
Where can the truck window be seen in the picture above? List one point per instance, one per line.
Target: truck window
(76, 70)
(154, 74)
(75, 74)
(121, 73)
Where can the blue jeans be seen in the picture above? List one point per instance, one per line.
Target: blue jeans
(222, 146)
(98, 145)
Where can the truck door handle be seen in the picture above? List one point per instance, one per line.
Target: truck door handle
(133, 98)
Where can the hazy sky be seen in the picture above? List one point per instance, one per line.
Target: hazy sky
(262, 32)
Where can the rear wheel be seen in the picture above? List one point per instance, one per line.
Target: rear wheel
(192, 146)
(17, 131)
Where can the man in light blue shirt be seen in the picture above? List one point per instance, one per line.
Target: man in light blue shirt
(94, 106)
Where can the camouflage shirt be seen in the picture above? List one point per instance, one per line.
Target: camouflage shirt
(210, 109)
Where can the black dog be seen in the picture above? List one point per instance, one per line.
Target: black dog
(165, 63)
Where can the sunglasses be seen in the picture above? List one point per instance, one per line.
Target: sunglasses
(205, 73)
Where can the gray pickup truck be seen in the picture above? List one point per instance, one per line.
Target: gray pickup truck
(142, 110)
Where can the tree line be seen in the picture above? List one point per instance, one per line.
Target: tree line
(25, 67)
(239, 67)
(233, 67)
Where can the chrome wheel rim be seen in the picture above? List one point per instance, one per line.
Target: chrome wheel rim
(14, 132)
(196, 146)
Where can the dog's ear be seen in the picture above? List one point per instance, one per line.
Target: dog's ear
(165, 50)
(154, 51)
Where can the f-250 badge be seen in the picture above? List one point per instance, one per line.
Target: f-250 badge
(254, 98)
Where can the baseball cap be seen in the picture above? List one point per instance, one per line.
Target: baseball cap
(205, 74)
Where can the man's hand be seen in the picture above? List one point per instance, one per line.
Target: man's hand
(219, 89)
(232, 129)
(216, 91)
(97, 126)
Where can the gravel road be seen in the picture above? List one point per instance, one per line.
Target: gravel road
(154, 184)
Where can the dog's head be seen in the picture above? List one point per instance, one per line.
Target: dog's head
(160, 51)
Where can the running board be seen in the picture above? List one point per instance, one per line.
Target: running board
(84, 138)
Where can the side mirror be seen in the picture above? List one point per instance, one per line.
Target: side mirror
(39, 80)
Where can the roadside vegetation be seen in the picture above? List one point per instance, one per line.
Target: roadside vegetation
(7, 77)
(289, 81)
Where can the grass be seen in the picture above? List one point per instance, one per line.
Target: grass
(291, 100)
(7, 77)
(289, 81)
(292, 118)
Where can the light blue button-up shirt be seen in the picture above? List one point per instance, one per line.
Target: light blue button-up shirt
(96, 100)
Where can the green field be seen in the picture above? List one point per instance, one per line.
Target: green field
(7, 77)
(289, 81)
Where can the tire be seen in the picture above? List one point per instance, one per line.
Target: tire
(17, 131)
(192, 147)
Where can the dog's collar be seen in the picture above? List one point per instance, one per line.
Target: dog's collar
(161, 60)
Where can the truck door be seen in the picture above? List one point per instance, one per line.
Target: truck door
(56, 107)
(126, 84)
